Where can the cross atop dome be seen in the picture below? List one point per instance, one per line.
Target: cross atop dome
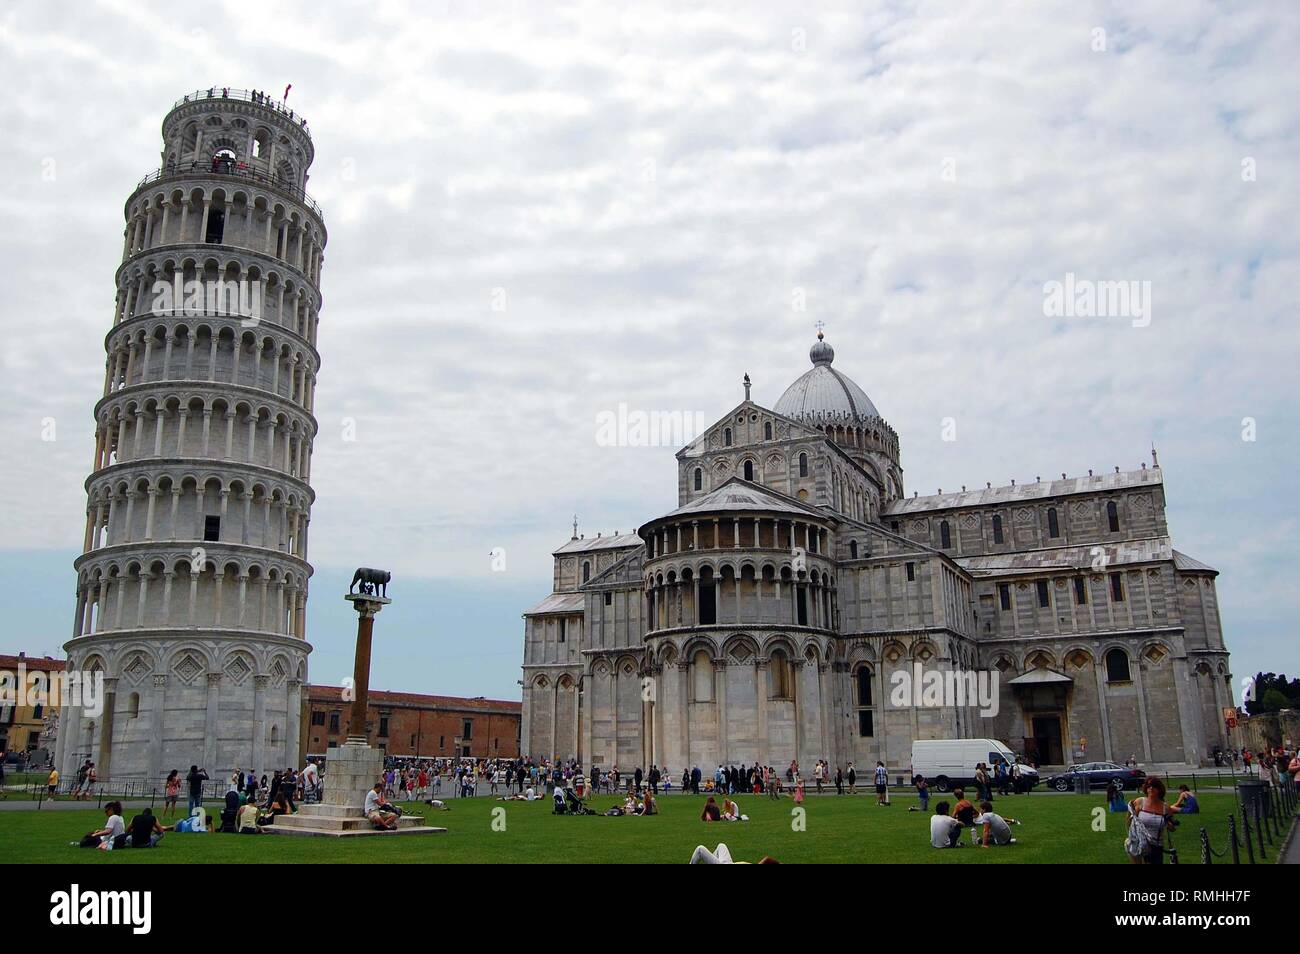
(822, 352)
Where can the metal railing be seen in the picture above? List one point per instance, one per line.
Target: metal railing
(244, 96)
(1264, 825)
(120, 789)
(234, 170)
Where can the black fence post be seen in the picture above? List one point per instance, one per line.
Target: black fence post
(1194, 788)
(1259, 833)
(1245, 828)
(1232, 839)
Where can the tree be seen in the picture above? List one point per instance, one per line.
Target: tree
(1273, 691)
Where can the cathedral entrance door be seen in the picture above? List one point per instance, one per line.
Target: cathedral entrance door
(1047, 736)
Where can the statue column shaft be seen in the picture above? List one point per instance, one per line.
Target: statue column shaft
(361, 676)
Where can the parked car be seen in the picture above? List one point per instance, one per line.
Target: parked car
(1098, 774)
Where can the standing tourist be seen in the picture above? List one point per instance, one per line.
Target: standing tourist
(196, 778)
(171, 792)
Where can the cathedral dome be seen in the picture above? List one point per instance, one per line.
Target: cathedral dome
(825, 396)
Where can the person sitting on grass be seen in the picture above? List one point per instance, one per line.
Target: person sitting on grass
(1186, 802)
(945, 831)
(648, 804)
(711, 812)
(106, 837)
(996, 828)
(963, 811)
(378, 810)
(144, 831)
(1115, 796)
(630, 806)
(731, 811)
(246, 819)
(279, 806)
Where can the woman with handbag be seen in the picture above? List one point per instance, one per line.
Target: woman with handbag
(1150, 820)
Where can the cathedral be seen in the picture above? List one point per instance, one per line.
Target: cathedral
(794, 599)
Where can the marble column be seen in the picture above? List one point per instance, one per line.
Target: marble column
(260, 755)
(157, 704)
(210, 720)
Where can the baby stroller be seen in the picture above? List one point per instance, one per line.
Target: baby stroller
(567, 803)
(229, 813)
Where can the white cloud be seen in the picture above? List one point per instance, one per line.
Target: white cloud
(648, 186)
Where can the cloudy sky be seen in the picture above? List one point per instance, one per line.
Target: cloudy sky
(538, 213)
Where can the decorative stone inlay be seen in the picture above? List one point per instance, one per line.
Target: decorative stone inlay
(239, 669)
(187, 668)
(137, 668)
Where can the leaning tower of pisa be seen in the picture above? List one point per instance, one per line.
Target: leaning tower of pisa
(192, 587)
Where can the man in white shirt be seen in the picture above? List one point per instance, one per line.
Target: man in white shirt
(374, 809)
(945, 831)
(997, 830)
(310, 779)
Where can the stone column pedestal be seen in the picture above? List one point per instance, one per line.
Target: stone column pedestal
(350, 772)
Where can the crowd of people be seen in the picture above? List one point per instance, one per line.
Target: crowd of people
(254, 801)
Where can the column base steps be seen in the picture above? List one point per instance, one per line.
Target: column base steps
(330, 822)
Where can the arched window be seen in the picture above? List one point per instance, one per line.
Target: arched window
(767, 430)
(702, 676)
(133, 705)
(749, 470)
(699, 479)
(586, 570)
(781, 675)
(945, 535)
(275, 733)
(1112, 516)
(865, 706)
(1053, 523)
(997, 528)
(726, 436)
(1117, 666)
(803, 465)
(853, 549)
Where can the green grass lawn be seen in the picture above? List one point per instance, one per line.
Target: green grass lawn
(1056, 829)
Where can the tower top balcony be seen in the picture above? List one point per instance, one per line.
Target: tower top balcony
(238, 132)
(215, 95)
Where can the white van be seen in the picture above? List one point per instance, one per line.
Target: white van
(949, 763)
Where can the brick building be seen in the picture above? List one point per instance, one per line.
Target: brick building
(27, 728)
(411, 724)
